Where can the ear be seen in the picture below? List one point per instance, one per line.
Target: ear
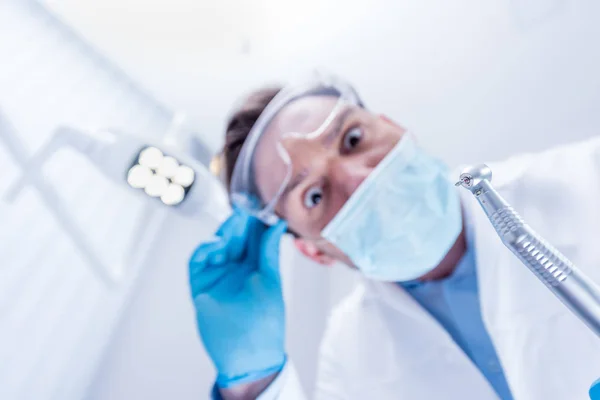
(310, 250)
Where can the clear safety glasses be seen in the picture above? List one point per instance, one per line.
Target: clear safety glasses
(291, 114)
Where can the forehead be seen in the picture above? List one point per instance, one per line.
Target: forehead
(304, 115)
(301, 117)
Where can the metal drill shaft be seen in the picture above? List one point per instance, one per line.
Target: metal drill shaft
(578, 292)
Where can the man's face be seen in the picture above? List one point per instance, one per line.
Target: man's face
(324, 169)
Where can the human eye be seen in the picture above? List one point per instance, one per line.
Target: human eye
(352, 138)
(313, 197)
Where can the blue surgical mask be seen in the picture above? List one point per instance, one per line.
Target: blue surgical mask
(402, 220)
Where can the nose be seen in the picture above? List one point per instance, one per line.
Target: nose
(349, 173)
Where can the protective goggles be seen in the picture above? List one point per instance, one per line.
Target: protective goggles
(266, 138)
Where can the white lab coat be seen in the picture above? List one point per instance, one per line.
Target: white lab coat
(380, 344)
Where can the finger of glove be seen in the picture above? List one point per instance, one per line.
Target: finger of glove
(212, 259)
(209, 253)
(234, 232)
(256, 231)
(206, 264)
(234, 225)
(270, 242)
(227, 286)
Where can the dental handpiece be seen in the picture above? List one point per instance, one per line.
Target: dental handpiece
(577, 291)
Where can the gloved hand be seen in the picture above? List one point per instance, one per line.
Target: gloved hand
(236, 288)
(595, 390)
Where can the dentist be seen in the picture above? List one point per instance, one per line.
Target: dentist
(444, 310)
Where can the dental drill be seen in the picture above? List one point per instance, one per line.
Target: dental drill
(578, 292)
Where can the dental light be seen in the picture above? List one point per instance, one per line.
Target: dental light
(159, 172)
(161, 176)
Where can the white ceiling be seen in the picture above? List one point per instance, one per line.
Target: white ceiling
(195, 55)
(427, 63)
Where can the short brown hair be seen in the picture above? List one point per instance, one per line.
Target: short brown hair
(241, 122)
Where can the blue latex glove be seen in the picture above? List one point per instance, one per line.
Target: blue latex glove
(236, 288)
(595, 390)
